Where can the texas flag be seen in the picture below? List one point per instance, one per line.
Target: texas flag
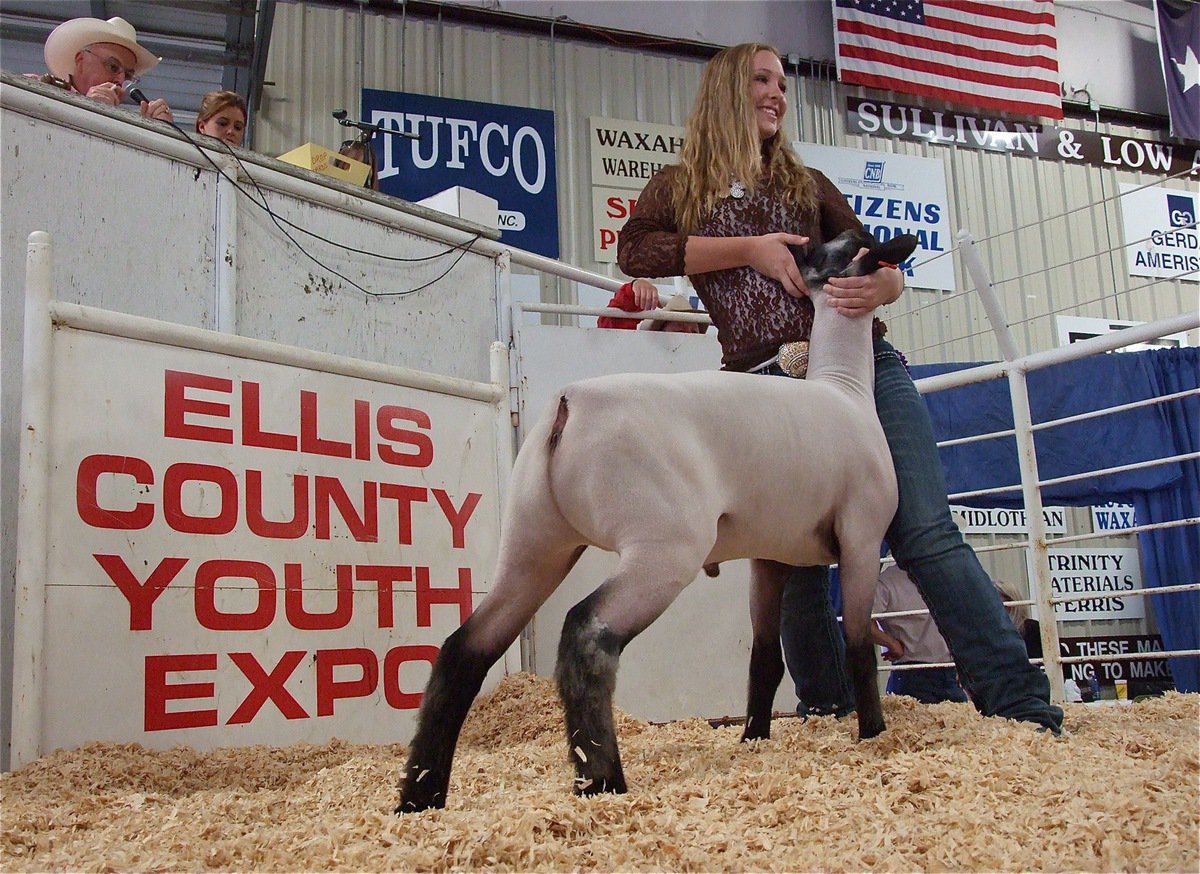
(1179, 45)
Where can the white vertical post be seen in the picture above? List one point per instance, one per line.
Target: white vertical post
(1027, 459)
(1039, 560)
(29, 620)
(987, 294)
(506, 439)
(226, 246)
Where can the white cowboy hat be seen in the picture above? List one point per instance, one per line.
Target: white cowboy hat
(677, 304)
(72, 36)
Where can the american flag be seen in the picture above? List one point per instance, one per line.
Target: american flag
(982, 53)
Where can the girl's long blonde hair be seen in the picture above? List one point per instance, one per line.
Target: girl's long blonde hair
(722, 143)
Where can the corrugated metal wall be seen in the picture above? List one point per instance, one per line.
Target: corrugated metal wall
(1049, 232)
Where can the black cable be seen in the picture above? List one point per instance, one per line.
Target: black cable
(279, 221)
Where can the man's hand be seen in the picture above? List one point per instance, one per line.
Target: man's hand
(107, 92)
(157, 109)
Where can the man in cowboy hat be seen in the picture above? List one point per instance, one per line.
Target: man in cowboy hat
(97, 58)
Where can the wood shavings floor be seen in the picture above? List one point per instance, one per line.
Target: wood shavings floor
(941, 790)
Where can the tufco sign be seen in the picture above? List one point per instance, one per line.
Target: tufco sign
(877, 118)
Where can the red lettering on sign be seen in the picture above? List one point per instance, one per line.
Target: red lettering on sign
(620, 207)
(227, 490)
(330, 690)
(362, 430)
(310, 440)
(457, 518)
(397, 656)
(87, 504)
(267, 687)
(207, 613)
(293, 600)
(364, 528)
(404, 497)
(141, 596)
(340, 674)
(385, 577)
(427, 596)
(385, 421)
(252, 433)
(177, 405)
(159, 692)
(608, 237)
(292, 529)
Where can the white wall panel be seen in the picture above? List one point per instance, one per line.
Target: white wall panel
(1047, 231)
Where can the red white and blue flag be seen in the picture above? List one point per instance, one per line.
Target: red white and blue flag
(980, 53)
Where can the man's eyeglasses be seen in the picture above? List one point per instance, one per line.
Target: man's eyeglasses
(114, 66)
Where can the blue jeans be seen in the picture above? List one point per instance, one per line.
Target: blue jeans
(813, 646)
(989, 653)
(927, 685)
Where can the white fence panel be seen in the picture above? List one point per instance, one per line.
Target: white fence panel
(224, 541)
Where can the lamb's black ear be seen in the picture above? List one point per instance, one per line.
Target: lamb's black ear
(894, 251)
(897, 250)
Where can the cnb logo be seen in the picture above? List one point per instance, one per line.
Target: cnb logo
(1181, 210)
(873, 171)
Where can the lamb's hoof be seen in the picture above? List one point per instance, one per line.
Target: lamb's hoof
(416, 805)
(586, 787)
(870, 728)
(756, 731)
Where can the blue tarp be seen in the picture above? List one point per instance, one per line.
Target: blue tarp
(1159, 494)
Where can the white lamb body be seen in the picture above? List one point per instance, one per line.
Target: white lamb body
(673, 472)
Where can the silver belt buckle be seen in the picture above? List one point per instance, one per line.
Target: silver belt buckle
(793, 358)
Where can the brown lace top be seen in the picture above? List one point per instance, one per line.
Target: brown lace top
(752, 312)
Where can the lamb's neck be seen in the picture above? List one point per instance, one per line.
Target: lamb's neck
(840, 349)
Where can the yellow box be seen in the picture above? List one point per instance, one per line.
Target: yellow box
(322, 160)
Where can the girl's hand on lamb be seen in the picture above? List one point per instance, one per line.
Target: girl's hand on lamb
(770, 256)
(861, 295)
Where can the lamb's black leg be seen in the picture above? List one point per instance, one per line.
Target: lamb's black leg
(457, 677)
(860, 663)
(766, 673)
(767, 579)
(588, 655)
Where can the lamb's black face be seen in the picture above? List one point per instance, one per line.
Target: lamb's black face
(836, 258)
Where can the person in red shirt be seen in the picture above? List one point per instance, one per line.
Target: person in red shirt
(642, 295)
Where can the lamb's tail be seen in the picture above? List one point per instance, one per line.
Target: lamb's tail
(556, 433)
(560, 422)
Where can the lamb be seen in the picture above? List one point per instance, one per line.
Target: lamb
(782, 471)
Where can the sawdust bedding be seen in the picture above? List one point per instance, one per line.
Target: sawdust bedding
(941, 790)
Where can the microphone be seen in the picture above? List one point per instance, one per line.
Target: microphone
(136, 94)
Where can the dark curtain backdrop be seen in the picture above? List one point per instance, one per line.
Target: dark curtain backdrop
(1159, 494)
